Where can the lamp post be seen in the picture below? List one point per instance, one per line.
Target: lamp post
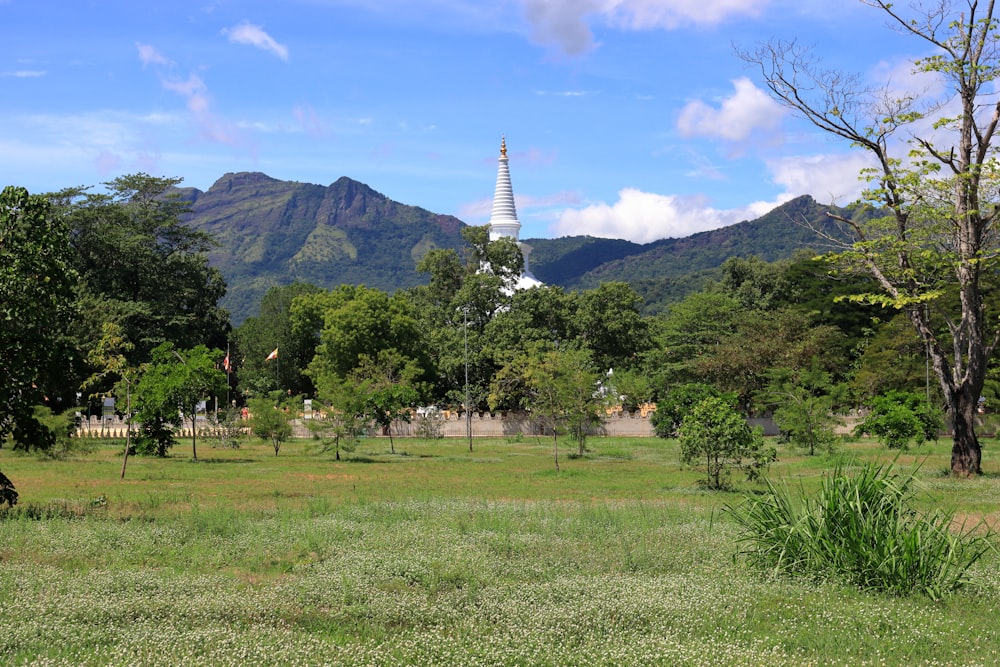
(468, 413)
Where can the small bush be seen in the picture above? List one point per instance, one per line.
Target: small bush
(861, 529)
(898, 418)
(716, 435)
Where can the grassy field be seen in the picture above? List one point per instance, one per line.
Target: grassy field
(441, 556)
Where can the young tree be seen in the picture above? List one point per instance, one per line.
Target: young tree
(36, 297)
(172, 385)
(342, 421)
(714, 432)
(270, 422)
(803, 407)
(934, 173)
(388, 382)
(108, 356)
(559, 386)
(672, 408)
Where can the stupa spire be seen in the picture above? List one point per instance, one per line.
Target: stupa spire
(503, 219)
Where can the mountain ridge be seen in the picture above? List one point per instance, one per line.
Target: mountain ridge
(273, 232)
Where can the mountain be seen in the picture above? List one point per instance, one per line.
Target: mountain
(273, 232)
(665, 271)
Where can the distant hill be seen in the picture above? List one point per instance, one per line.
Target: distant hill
(666, 270)
(273, 232)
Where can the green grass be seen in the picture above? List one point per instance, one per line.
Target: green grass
(441, 556)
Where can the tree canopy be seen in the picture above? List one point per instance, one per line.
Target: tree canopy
(933, 174)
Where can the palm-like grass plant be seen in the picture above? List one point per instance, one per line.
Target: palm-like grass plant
(860, 528)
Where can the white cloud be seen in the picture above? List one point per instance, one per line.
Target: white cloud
(25, 73)
(747, 111)
(565, 23)
(253, 35)
(644, 216)
(671, 14)
(561, 22)
(150, 56)
(211, 127)
(830, 178)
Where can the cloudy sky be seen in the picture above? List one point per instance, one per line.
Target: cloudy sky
(623, 118)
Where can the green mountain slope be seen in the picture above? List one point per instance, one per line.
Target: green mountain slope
(665, 271)
(274, 232)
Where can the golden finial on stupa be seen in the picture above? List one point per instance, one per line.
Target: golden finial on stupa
(503, 146)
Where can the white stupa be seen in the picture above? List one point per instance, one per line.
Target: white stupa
(503, 219)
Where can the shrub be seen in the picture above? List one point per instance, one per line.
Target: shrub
(861, 529)
(714, 432)
(670, 411)
(898, 418)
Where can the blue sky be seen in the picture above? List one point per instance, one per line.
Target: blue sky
(623, 118)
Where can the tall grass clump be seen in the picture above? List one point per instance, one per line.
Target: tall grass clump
(861, 529)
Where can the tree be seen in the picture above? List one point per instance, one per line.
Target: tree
(108, 356)
(275, 327)
(36, 302)
(935, 174)
(691, 329)
(342, 421)
(610, 324)
(141, 267)
(559, 386)
(270, 422)
(171, 387)
(714, 432)
(363, 324)
(388, 383)
(898, 418)
(803, 405)
(672, 408)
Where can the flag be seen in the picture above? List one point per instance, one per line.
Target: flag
(273, 355)
(226, 365)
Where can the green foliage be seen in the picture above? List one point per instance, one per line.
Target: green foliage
(36, 296)
(716, 434)
(63, 427)
(610, 325)
(803, 407)
(559, 386)
(142, 267)
(862, 529)
(270, 422)
(171, 387)
(898, 418)
(278, 325)
(671, 409)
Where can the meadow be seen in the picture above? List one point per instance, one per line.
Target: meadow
(441, 556)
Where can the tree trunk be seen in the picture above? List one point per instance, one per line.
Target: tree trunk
(966, 454)
(555, 447)
(194, 435)
(128, 427)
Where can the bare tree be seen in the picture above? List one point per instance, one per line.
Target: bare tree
(935, 174)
